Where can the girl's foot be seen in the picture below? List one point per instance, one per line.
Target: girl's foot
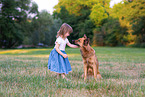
(58, 76)
(64, 77)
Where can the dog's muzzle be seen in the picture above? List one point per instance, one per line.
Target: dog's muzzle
(74, 42)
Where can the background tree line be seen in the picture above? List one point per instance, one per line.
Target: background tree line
(22, 23)
(122, 25)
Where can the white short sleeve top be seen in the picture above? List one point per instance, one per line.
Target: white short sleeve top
(62, 43)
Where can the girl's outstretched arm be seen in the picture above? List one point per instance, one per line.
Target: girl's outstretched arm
(72, 45)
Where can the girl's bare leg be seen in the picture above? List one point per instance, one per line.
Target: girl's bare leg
(58, 76)
(63, 75)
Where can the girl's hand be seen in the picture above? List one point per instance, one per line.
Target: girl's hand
(65, 55)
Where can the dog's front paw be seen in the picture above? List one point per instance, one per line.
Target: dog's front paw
(85, 78)
(82, 76)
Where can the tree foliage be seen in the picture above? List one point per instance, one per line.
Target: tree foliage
(122, 25)
(117, 35)
(98, 14)
(13, 17)
(45, 28)
(139, 30)
(115, 26)
(77, 13)
(131, 14)
(17, 26)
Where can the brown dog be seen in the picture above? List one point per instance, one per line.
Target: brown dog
(91, 64)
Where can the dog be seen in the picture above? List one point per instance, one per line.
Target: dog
(90, 61)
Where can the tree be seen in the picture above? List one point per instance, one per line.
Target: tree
(130, 14)
(81, 15)
(44, 29)
(14, 15)
(98, 14)
(114, 33)
(95, 18)
(139, 30)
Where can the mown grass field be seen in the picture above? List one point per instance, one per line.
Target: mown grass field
(23, 72)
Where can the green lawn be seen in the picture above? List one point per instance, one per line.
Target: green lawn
(24, 73)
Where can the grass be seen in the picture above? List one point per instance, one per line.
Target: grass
(24, 73)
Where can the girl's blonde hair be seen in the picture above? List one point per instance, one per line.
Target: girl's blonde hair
(65, 28)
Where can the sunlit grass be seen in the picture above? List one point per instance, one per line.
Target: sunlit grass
(25, 51)
(24, 73)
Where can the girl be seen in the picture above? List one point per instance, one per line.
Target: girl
(58, 59)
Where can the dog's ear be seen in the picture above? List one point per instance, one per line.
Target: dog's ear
(86, 41)
(85, 36)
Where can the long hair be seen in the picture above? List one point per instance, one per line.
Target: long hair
(65, 28)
